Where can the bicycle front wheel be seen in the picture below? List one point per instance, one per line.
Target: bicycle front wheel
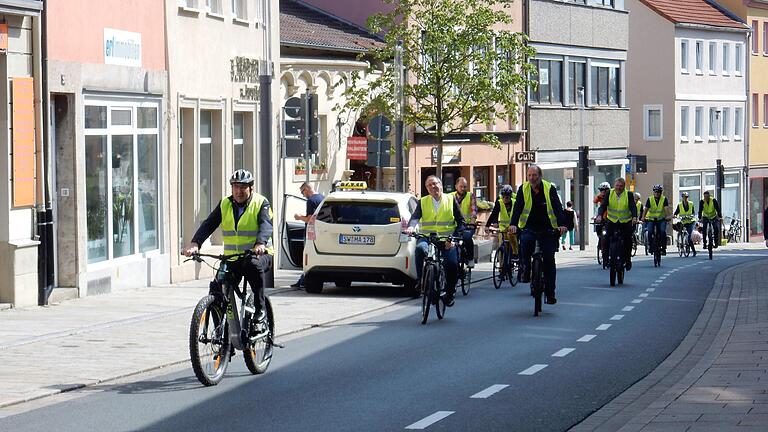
(258, 352)
(439, 301)
(209, 341)
(466, 280)
(498, 267)
(427, 287)
(537, 285)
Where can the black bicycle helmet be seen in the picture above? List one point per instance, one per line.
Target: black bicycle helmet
(506, 190)
(657, 188)
(241, 176)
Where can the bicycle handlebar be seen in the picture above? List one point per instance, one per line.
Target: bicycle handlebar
(432, 237)
(198, 257)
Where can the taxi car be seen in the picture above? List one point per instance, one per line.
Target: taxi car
(356, 235)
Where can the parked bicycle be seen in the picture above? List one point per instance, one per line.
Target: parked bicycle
(538, 286)
(465, 272)
(505, 262)
(433, 279)
(734, 231)
(220, 326)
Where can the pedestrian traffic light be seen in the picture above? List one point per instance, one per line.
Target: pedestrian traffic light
(583, 165)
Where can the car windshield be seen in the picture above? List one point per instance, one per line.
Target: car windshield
(368, 213)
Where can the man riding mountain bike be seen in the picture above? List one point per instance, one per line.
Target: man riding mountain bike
(619, 206)
(709, 213)
(245, 218)
(537, 211)
(687, 217)
(468, 205)
(657, 212)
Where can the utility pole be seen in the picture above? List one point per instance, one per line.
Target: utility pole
(308, 131)
(399, 168)
(583, 177)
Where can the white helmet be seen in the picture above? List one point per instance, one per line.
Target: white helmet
(242, 176)
(604, 186)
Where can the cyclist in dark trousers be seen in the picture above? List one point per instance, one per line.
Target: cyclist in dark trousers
(537, 210)
(709, 213)
(621, 210)
(685, 208)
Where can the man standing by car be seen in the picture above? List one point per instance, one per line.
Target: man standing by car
(468, 205)
(313, 202)
(438, 213)
(537, 212)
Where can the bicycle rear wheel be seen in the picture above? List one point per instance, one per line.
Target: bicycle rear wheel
(466, 280)
(209, 341)
(258, 352)
(439, 301)
(600, 252)
(513, 267)
(680, 247)
(498, 267)
(537, 285)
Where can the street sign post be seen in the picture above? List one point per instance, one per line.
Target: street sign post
(379, 128)
(293, 146)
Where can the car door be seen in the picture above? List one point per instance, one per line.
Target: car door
(293, 231)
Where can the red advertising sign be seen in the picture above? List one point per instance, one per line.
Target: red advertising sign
(357, 148)
(3, 37)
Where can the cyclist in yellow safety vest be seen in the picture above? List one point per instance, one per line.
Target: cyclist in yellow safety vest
(709, 213)
(245, 218)
(438, 213)
(468, 205)
(657, 211)
(687, 217)
(500, 217)
(538, 212)
(621, 212)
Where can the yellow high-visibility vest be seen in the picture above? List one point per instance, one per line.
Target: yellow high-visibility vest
(528, 197)
(618, 207)
(441, 222)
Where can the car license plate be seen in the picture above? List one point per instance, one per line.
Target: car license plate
(354, 239)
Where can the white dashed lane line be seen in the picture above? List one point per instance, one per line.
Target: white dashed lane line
(603, 327)
(429, 421)
(617, 317)
(651, 289)
(490, 391)
(643, 295)
(637, 301)
(627, 308)
(586, 338)
(563, 352)
(533, 369)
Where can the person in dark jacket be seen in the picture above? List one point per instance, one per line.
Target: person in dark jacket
(537, 213)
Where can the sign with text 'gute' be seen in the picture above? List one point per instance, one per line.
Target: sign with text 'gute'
(525, 156)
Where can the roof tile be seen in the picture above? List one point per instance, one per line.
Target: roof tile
(702, 12)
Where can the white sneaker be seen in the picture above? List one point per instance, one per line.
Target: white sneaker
(471, 264)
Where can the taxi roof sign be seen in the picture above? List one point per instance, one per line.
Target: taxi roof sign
(352, 185)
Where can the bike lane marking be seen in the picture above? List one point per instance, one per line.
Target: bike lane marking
(490, 391)
(430, 420)
(617, 317)
(627, 308)
(603, 327)
(563, 352)
(637, 301)
(586, 338)
(651, 289)
(643, 295)
(533, 369)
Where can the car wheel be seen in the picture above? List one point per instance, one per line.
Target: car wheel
(343, 283)
(312, 284)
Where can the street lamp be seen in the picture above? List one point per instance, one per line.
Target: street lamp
(718, 161)
(582, 171)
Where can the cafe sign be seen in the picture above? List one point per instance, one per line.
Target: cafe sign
(451, 155)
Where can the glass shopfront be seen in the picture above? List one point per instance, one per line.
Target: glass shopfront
(121, 180)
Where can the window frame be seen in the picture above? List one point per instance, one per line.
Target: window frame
(738, 120)
(699, 57)
(684, 56)
(712, 57)
(698, 124)
(755, 110)
(714, 123)
(684, 123)
(726, 63)
(552, 91)
(239, 11)
(755, 38)
(647, 122)
(738, 61)
(603, 71)
(725, 124)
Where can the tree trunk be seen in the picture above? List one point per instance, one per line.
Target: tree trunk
(439, 168)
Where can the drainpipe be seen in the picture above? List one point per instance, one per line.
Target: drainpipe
(745, 200)
(45, 256)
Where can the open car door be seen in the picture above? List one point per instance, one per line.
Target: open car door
(292, 236)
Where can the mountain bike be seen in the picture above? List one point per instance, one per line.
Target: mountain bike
(505, 263)
(655, 239)
(433, 278)
(220, 325)
(465, 272)
(538, 285)
(709, 237)
(616, 256)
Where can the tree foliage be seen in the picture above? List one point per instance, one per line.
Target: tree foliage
(464, 66)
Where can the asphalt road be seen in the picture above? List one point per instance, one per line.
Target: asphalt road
(488, 366)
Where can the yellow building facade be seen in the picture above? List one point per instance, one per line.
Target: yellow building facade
(755, 13)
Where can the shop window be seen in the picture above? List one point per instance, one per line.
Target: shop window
(121, 155)
(692, 185)
(730, 196)
(238, 140)
(205, 197)
(481, 183)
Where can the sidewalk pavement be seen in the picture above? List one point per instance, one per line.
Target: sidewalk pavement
(717, 378)
(98, 339)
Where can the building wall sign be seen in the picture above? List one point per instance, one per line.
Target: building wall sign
(525, 156)
(122, 48)
(451, 155)
(23, 158)
(244, 70)
(3, 37)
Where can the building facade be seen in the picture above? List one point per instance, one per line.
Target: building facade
(107, 85)
(755, 14)
(218, 54)
(581, 97)
(688, 73)
(22, 146)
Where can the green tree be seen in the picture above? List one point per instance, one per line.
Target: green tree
(464, 67)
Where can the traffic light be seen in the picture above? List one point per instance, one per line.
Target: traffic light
(720, 171)
(314, 123)
(583, 165)
(641, 163)
(295, 126)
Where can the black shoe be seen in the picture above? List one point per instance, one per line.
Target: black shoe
(694, 252)
(297, 285)
(714, 246)
(525, 277)
(550, 300)
(231, 352)
(449, 300)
